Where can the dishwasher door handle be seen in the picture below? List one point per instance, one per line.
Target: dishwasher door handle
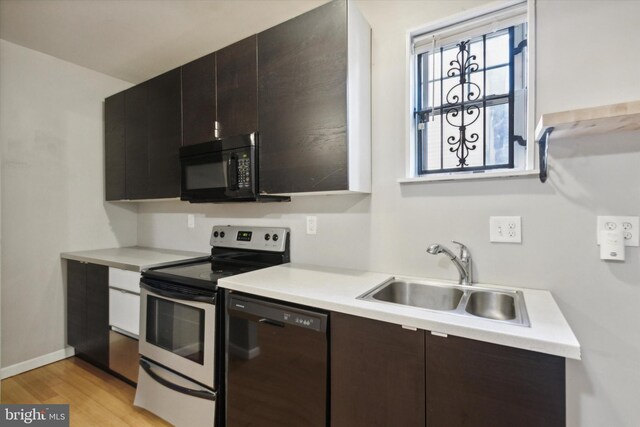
(271, 322)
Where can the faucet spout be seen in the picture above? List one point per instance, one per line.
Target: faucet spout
(461, 262)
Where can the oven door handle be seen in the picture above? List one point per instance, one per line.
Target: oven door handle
(180, 389)
(177, 295)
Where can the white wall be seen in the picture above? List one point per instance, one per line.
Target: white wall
(586, 57)
(52, 191)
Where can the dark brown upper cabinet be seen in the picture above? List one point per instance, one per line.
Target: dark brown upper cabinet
(304, 85)
(314, 106)
(142, 139)
(136, 141)
(237, 88)
(220, 91)
(164, 136)
(114, 148)
(199, 100)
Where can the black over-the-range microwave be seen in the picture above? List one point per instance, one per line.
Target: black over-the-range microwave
(223, 170)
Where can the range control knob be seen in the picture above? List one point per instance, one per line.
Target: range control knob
(215, 234)
(275, 237)
(222, 234)
(267, 236)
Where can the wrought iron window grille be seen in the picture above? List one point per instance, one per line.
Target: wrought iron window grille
(462, 105)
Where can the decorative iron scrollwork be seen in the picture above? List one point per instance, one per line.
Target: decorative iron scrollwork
(457, 113)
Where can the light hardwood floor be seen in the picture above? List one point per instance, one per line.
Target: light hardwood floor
(95, 397)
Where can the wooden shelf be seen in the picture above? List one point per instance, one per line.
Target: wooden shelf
(591, 121)
(621, 117)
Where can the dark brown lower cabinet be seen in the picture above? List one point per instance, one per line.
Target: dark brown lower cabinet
(377, 374)
(88, 310)
(384, 375)
(474, 383)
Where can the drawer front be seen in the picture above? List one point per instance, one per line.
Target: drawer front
(124, 311)
(124, 279)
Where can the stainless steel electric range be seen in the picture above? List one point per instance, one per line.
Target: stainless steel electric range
(181, 321)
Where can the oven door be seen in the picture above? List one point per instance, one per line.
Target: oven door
(177, 331)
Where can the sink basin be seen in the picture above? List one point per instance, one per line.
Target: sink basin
(491, 305)
(501, 305)
(417, 295)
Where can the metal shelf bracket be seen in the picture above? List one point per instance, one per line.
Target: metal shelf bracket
(544, 153)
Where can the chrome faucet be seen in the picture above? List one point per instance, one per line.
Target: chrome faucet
(462, 262)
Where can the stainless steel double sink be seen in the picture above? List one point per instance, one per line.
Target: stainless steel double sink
(501, 305)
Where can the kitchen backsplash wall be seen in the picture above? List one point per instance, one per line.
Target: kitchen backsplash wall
(52, 191)
(583, 59)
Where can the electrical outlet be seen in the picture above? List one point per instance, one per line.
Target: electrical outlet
(630, 226)
(505, 229)
(312, 224)
(191, 221)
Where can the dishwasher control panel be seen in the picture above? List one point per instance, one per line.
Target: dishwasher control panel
(301, 320)
(277, 314)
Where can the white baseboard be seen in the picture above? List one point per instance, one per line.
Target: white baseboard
(36, 362)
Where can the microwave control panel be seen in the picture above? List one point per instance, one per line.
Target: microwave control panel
(244, 173)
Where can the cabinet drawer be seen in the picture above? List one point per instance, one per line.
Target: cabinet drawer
(124, 311)
(124, 279)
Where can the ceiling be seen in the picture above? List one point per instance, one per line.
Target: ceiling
(134, 40)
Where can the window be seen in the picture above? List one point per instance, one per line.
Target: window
(470, 95)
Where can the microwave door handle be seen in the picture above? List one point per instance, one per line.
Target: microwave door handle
(232, 173)
(180, 389)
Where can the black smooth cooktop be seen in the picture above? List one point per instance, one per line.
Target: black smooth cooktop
(201, 274)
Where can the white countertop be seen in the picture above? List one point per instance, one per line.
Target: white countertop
(336, 289)
(133, 258)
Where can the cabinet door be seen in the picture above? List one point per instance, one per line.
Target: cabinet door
(76, 325)
(97, 314)
(377, 374)
(473, 383)
(199, 100)
(114, 147)
(136, 147)
(237, 88)
(302, 116)
(164, 133)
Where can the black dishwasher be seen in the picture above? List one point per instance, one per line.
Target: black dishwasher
(276, 364)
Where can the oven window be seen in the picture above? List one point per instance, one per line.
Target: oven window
(176, 327)
(204, 175)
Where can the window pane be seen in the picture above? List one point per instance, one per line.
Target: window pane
(497, 81)
(448, 56)
(476, 49)
(431, 156)
(434, 64)
(474, 118)
(497, 50)
(433, 95)
(449, 93)
(497, 144)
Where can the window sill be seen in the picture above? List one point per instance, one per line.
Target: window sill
(459, 176)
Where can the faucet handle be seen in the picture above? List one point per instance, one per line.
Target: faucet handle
(464, 251)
